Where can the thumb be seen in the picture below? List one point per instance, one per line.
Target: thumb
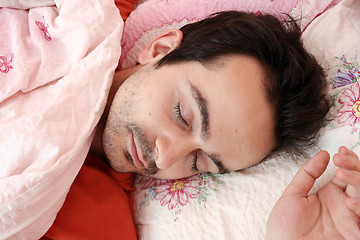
(306, 176)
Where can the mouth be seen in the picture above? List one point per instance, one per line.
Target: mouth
(134, 154)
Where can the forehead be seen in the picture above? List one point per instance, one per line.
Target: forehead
(241, 119)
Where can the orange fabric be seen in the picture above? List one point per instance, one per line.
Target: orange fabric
(100, 202)
(125, 7)
(98, 206)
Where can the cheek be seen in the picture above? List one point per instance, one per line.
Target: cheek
(156, 103)
(153, 113)
(134, 99)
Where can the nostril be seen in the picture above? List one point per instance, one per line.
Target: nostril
(156, 153)
(161, 144)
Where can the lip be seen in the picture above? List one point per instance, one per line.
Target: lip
(134, 153)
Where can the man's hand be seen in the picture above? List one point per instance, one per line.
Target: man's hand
(348, 177)
(331, 213)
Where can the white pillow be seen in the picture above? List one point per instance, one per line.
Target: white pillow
(236, 205)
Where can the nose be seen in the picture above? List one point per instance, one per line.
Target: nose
(172, 149)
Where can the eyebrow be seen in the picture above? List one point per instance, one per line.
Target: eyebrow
(204, 116)
(204, 113)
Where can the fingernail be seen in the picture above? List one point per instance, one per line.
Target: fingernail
(344, 150)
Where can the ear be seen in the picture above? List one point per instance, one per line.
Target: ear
(161, 46)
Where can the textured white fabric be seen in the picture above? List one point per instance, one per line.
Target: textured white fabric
(239, 206)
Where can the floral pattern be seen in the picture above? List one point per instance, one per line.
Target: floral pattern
(44, 28)
(5, 63)
(347, 74)
(176, 194)
(349, 112)
(346, 95)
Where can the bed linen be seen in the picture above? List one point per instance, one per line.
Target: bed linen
(236, 205)
(232, 206)
(57, 60)
(155, 16)
(99, 205)
(125, 7)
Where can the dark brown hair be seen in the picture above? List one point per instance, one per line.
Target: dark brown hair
(295, 84)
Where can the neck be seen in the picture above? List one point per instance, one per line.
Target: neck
(119, 77)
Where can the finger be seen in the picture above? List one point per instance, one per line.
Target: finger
(307, 175)
(348, 177)
(345, 151)
(354, 205)
(352, 191)
(352, 179)
(340, 178)
(347, 159)
(348, 172)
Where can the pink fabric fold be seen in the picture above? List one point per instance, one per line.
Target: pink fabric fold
(56, 68)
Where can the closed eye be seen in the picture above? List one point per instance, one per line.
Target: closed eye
(178, 115)
(194, 162)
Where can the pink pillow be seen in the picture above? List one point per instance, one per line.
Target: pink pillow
(155, 16)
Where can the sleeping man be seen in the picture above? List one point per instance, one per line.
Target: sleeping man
(215, 96)
(220, 95)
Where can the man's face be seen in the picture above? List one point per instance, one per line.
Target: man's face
(183, 119)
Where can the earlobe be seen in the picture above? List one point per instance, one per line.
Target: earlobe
(161, 46)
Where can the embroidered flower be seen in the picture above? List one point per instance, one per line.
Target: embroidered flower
(349, 112)
(176, 194)
(44, 28)
(342, 79)
(348, 74)
(148, 182)
(5, 63)
(178, 191)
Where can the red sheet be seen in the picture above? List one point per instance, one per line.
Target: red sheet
(125, 7)
(98, 206)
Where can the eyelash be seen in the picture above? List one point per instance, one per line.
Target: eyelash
(194, 163)
(179, 117)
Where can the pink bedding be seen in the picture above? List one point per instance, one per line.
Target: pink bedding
(56, 66)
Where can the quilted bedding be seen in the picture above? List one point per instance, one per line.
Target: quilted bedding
(57, 59)
(73, 48)
(236, 205)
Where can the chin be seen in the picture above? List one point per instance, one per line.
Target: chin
(120, 167)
